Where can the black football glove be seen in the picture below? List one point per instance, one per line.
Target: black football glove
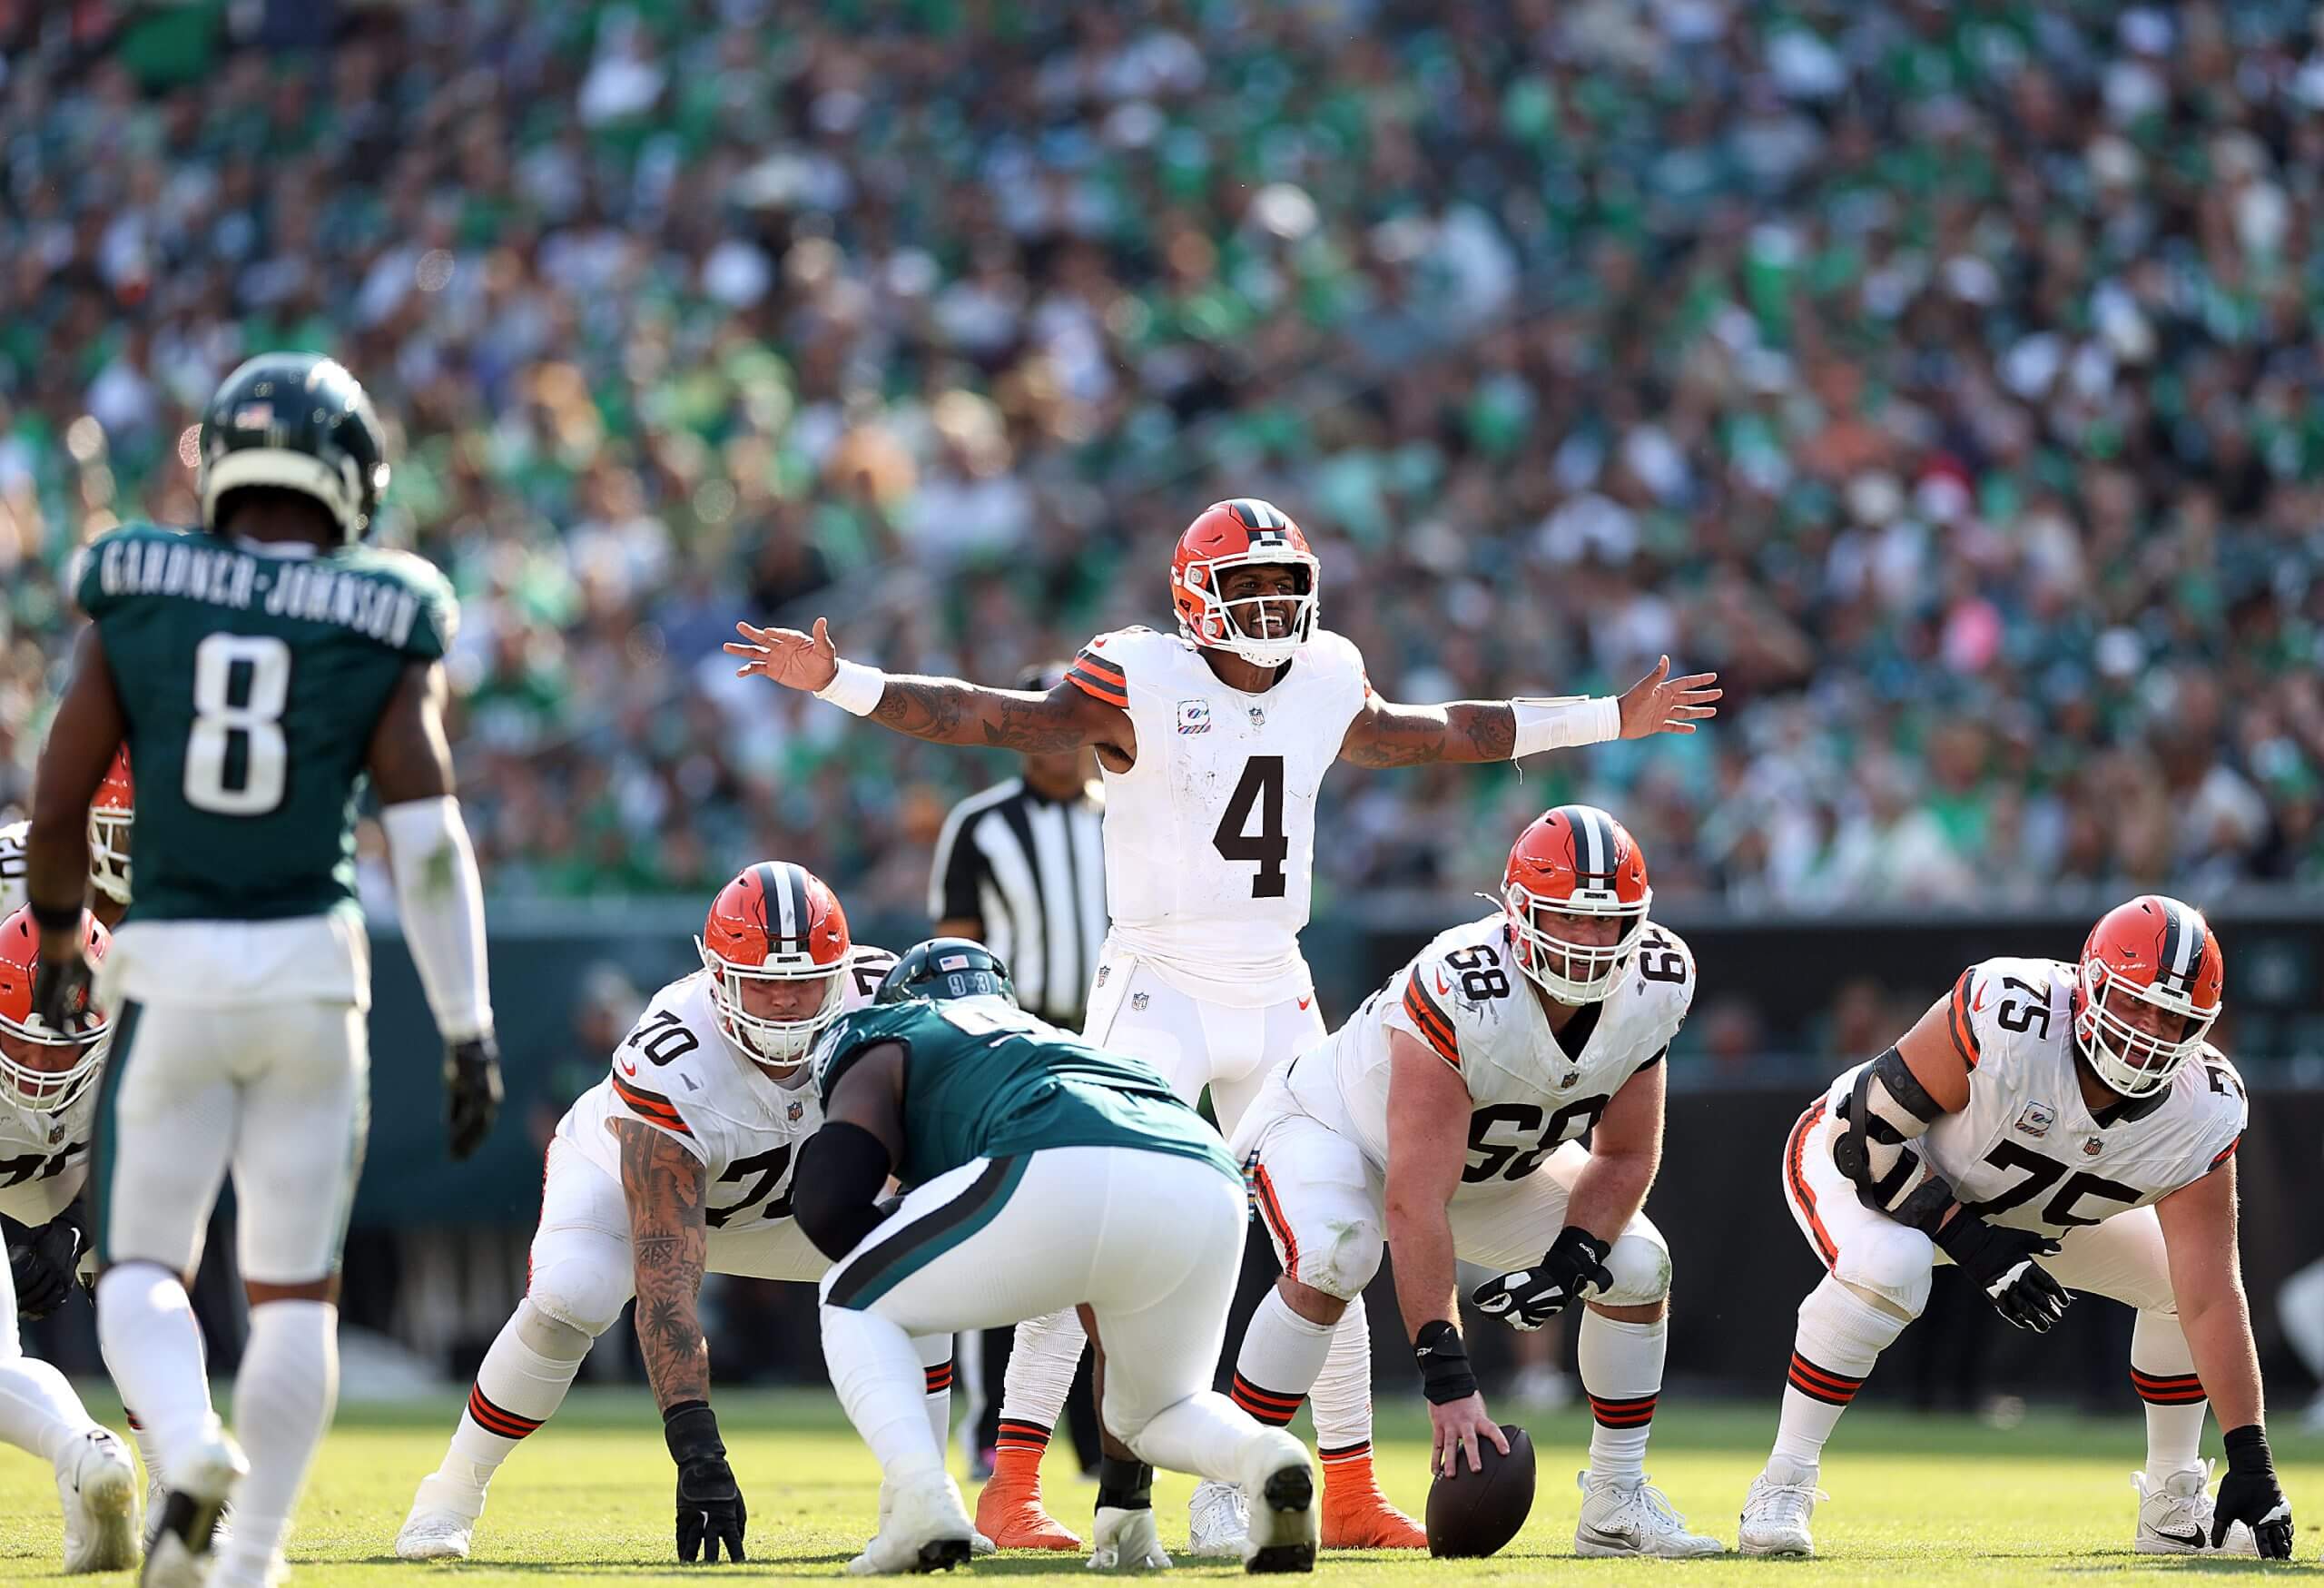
(61, 992)
(44, 1264)
(1574, 1269)
(2001, 1262)
(2250, 1495)
(472, 1093)
(710, 1504)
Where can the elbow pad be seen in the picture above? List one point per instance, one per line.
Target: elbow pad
(1889, 1111)
(440, 898)
(835, 1188)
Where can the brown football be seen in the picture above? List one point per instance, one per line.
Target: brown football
(1476, 1513)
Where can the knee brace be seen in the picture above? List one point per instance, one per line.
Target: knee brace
(1892, 1265)
(583, 1297)
(1642, 1270)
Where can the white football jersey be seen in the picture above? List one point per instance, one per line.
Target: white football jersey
(44, 1158)
(1210, 836)
(2026, 1152)
(11, 867)
(1530, 1090)
(679, 1071)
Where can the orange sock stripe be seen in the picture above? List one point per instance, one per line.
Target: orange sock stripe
(1015, 1431)
(1260, 1392)
(1839, 1383)
(939, 1378)
(492, 1419)
(1634, 1413)
(2184, 1390)
(1264, 1404)
(1340, 1455)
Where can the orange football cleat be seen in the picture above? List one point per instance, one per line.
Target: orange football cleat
(1009, 1511)
(1356, 1514)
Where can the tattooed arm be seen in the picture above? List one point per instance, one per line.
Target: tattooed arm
(1386, 735)
(948, 711)
(666, 1187)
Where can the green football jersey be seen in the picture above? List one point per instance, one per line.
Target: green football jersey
(252, 685)
(983, 1078)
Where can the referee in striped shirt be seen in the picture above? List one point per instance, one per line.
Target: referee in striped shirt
(1020, 868)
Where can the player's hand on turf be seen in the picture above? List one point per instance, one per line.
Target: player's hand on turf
(2250, 1495)
(43, 1267)
(1574, 1269)
(1660, 704)
(1454, 1427)
(800, 661)
(2001, 1262)
(471, 1093)
(61, 992)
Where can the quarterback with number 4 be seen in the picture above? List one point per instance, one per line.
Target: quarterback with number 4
(676, 1165)
(1444, 1122)
(2049, 1126)
(1214, 743)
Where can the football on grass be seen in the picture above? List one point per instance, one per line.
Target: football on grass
(1476, 1513)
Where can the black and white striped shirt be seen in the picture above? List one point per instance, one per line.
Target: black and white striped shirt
(1031, 872)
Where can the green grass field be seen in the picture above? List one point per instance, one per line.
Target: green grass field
(1932, 1500)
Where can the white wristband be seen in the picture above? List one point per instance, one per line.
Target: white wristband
(1564, 721)
(854, 687)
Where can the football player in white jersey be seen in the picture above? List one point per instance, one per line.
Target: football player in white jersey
(1443, 1120)
(112, 815)
(676, 1165)
(47, 1102)
(1214, 743)
(2049, 1126)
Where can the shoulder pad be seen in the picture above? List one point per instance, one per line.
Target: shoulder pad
(867, 967)
(108, 567)
(2229, 1107)
(848, 1036)
(1663, 973)
(1105, 668)
(438, 625)
(1456, 988)
(2000, 1002)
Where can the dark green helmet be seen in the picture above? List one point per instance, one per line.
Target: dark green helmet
(297, 423)
(944, 968)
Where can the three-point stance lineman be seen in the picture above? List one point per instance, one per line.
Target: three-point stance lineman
(1045, 1174)
(1214, 743)
(2049, 1126)
(257, 668)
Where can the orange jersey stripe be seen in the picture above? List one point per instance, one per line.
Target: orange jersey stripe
(1965, 1035)
(1111, 691)
(1431, 1022)
(651, 1107)
(1103, 666)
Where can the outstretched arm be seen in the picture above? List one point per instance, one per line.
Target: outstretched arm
(1387, 734)
(944, 711)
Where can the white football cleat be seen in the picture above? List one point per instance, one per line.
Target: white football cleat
(926, 1529)
(179, 1553)
(1126, 1540)
(1776, 1511)
(2175, 1517)
(1632, 1517)
(1281, 1529)
(1218, 1521)
(441, 1524)
(97, 1484)
(979, 1545)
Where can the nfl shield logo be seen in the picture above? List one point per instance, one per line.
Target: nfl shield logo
(1569, 1077)
(1138, 1001)
(1258, 717)
(1104, 972)
(796, 1110)
(2090, 1147)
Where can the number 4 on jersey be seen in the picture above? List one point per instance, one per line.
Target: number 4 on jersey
(1261, 785)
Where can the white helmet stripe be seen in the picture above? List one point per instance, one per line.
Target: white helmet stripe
(785, 896)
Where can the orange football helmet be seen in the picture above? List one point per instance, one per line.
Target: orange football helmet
(112, 815)
(2160, 952)
(1574, 861)
(1240, 534)
(775, 922)
(37, 1087)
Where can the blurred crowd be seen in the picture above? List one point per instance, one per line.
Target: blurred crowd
(1945, 375)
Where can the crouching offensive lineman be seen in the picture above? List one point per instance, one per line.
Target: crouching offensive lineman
(1443, 1119)
(1044, 1174)
(2049, 1127)
(676, 1165)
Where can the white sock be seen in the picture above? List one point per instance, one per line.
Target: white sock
(880, 1381)
(1341, 1400)
(1204, 1433)
(1042, 1359)
(1841, 1335)
(153, 1350)
(518, 1386)
(148, 1451)
(936, 1376)
(1282, 1357)
(38, 1410)
(2162, 1371)
(283, 1399)
(1621, 1367)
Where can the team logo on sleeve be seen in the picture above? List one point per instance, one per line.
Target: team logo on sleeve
(2036, 1120)
(1193, 716)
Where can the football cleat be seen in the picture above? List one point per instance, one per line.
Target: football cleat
(441, 1526)
(180, 1556)
(1010, 1508)
(1629, 1516)
(1357, 1515)
(1776, 1511)
(1219, 1520)
(979, 1545)
(1126, 1540)
(97, 1484)
(926, 1529)
(2175, 1517)
(1280, 1531)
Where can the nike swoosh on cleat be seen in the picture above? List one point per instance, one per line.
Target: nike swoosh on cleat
(1600, 1535)
(2192, 1540)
